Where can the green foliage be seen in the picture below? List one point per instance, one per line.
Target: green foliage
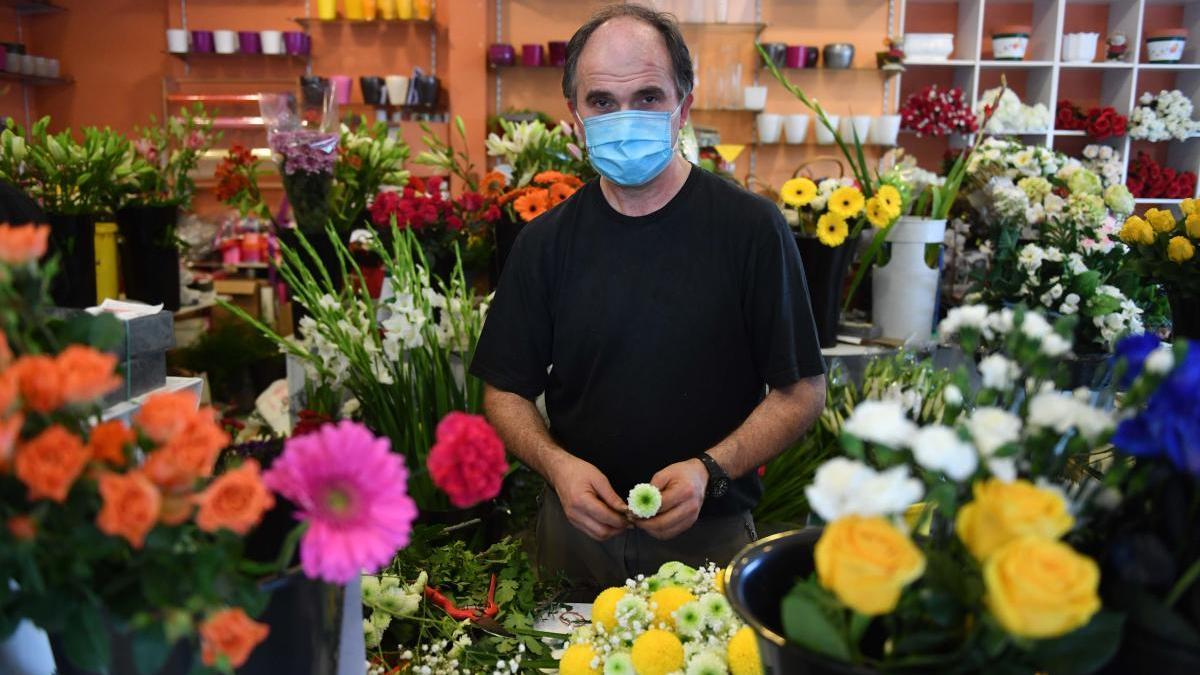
(368, 159)
(171, 151)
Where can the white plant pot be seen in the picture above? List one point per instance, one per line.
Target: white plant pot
(1079, 47)
(928, 47)
(769, 127)
(885, 129)
(225, 41)
(177, 41)
(825, 136)
(853, 125)
(272, 42)
(397, 89)
(905, 289)
(754, 98)
(1009, 46)
(796, 128)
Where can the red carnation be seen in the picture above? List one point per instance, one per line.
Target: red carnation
(415, 184)
(467, 462)
(383, 207)
(1099, 127)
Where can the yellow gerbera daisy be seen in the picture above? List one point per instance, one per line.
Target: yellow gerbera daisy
(891, 198)
(846, 202)
(798, 192)
(832, 229)
(878, 212)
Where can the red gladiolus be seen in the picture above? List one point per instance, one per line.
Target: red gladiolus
(467, 462)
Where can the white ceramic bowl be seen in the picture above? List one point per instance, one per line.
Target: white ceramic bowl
(769, 127)
(796, 128)
(1009, 46)
(1167, 49)
(1079, 47)
(928, 46)
(825, 136)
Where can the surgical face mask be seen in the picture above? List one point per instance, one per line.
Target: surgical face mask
(631, 147)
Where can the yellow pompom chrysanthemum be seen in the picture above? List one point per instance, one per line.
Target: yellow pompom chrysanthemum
(891, 198)
(832, 229)
(798, 192)
(743, 653)
(846, 202)
(604, 609)
(719, 580)
(657, 652)
(577, 660)
(878, 214)
(667, 600)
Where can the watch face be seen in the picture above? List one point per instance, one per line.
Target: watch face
(720, 487)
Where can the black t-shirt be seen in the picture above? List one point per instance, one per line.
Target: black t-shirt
(652, 336)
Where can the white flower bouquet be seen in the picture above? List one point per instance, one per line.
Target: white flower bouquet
(1162, 117)
(1011, 115)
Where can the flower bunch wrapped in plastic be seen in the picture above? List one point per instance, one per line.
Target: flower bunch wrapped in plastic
(306, 160)
(1104, 161)
(1161, 117)
(1010, 115)
(936, 112)
(677, 620)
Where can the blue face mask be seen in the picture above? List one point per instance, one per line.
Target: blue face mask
(631, 147)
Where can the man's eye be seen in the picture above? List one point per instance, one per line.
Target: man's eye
(650, 100)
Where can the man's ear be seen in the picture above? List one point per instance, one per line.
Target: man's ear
(685, 109)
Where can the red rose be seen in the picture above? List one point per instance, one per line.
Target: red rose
(454, 223)
(492, 214)
(1099, 127)
(1136, 185)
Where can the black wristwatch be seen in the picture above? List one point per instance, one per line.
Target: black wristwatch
(718, 480)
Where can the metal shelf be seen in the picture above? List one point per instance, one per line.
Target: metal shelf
(32, 7)
(213, 56)
(307, 22)
(35, 80)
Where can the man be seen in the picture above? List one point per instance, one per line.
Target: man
(653, 309)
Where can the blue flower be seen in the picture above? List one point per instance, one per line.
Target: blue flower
(1134, 350)
(1169, 426)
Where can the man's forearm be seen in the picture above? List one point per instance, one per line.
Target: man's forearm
(522, 429)
(781, 418)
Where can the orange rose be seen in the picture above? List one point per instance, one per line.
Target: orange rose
(49, 463)
(232, 634)
(164, 415)
(190, 454)
(131, 505)
(8, 391)
(22, 528)
(86, 374)
(39, 383)
(108, 440)
(22, 244)
(6, 355)
(177, 507)
(10, 429)
(235, 501)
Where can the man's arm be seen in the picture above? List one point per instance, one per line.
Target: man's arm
(781, 418)
(588, 499)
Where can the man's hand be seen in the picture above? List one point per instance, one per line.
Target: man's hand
(588, 499)
(683, 486)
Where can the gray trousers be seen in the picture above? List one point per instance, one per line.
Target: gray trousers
(591, 566)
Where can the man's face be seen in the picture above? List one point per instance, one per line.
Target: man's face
(625, 66)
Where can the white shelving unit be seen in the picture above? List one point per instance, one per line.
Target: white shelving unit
(1121, 83)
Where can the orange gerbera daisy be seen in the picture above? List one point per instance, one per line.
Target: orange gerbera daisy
(573, 181)
(532, 205)
(86, 374)
(108, 440)
(513, 195)
(493, 184)
(22, 244)
(549, 177)
(559, 192)
(49, 463)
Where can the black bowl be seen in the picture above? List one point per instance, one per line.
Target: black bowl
(757, 581)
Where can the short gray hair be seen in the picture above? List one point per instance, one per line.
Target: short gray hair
(664, 23)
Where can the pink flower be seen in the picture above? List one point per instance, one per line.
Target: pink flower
(195, 140)
(467, 462)
(352, 491)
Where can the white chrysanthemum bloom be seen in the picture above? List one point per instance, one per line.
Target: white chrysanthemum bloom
(1161, 360)
(632, 608)
(991, 428)
(939, 448)
(952, 395)
(1001, 323)
(998, 372)
(967, 316)
(880, 422)
(716, 607)
(645, 500)
(707, 663)
(1055, 345)
(620, 663)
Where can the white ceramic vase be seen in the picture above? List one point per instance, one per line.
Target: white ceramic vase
(769, 127)
(825, 136)
(796, 128)
(905, 289)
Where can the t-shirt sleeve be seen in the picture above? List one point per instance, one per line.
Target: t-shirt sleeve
(779, 316)
(513, 353)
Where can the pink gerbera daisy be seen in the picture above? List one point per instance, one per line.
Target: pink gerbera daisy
(352, 491)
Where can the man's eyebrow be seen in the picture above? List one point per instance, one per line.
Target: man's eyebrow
(650, 91)
(597, 93)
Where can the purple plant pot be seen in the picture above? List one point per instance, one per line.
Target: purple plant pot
(501, 55)
(249, 42)
(533, 55)
(3, 58)
(795, 56)
(558, 53)
(293, 42)
(202, 41)
(811, 56)
(306, 48)
(341, 88)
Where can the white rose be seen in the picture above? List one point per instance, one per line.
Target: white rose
(1003, 468)
(938, 448)
(998, 372)
(837, 487)
(1055, 345)
(1161, 360)
(881, 422)
(952, 395)
(992, 428)
(890, 492)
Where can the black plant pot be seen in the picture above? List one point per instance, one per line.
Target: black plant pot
(73, 239)
(760, 576)
(374, 91)
(825, 270)
(149, 256)
(1185, 316)
(180, 660)
(327, 257)
(305, 618)
(1139, 649)
(1093, 371)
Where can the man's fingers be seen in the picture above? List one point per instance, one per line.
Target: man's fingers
(668, 525)
(600, 512)
(609, 496)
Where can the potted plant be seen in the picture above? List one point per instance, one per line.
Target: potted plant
(1164, 251)
(150, 248)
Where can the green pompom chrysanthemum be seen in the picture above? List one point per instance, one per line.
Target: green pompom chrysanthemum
(645, 500)
(633, 608)
(618, 664)
(689, 618)
(716, 607)
(707, 663)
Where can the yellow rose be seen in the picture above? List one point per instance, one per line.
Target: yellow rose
(1180, 250)
(866, 562)
(1136, 231)
(1193, 225)
(1189, 206)
(1002, 512)
(1162, 220)
(1040, 588)
(798, 192)
(846, 202)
